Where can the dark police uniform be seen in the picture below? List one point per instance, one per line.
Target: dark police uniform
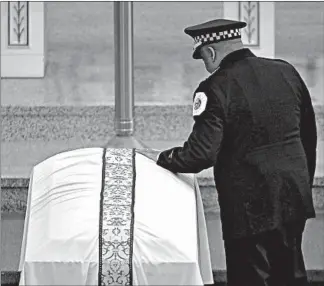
(255, 124)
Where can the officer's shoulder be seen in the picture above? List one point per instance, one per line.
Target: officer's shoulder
(278, 62)
(286, 67)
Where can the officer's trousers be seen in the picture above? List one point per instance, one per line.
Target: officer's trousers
(273, 258)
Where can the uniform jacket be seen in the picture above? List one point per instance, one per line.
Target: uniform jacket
(258, 131)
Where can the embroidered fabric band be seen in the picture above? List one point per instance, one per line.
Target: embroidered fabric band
(117, 217)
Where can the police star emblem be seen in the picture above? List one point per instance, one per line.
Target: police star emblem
(199, 104)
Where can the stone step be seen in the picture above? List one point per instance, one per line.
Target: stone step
(11, 278)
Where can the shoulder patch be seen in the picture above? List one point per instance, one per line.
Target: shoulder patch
(199, 104)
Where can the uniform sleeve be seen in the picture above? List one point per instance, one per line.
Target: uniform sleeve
(201, 149)
(308, 130)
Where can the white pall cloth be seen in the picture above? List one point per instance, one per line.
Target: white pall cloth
(99, 216)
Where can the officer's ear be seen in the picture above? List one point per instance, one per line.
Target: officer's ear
(212, 53)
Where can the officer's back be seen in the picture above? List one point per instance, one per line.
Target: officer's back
(263, 94)
(262, 155)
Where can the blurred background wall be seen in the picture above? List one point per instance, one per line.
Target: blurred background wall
(80, 52)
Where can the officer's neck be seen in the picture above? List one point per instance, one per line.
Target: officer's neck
(226, 53)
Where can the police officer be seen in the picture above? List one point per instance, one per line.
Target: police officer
(254, 123)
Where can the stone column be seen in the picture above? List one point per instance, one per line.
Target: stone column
(259, 35)
(22, 39)
(124, 78)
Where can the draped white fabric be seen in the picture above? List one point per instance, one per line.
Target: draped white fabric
(61, 236)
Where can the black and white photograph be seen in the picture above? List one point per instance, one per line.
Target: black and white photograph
(162, 143)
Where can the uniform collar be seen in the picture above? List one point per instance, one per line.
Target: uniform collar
(233, 57)
(236, 56)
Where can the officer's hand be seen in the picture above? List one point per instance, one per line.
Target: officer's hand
(165, 159)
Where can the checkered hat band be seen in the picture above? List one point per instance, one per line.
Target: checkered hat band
(214, 37)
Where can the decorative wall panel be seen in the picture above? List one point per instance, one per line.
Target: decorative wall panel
(249, 13)
(18, 23)
(22, 39)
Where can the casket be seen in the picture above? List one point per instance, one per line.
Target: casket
(98, 216)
